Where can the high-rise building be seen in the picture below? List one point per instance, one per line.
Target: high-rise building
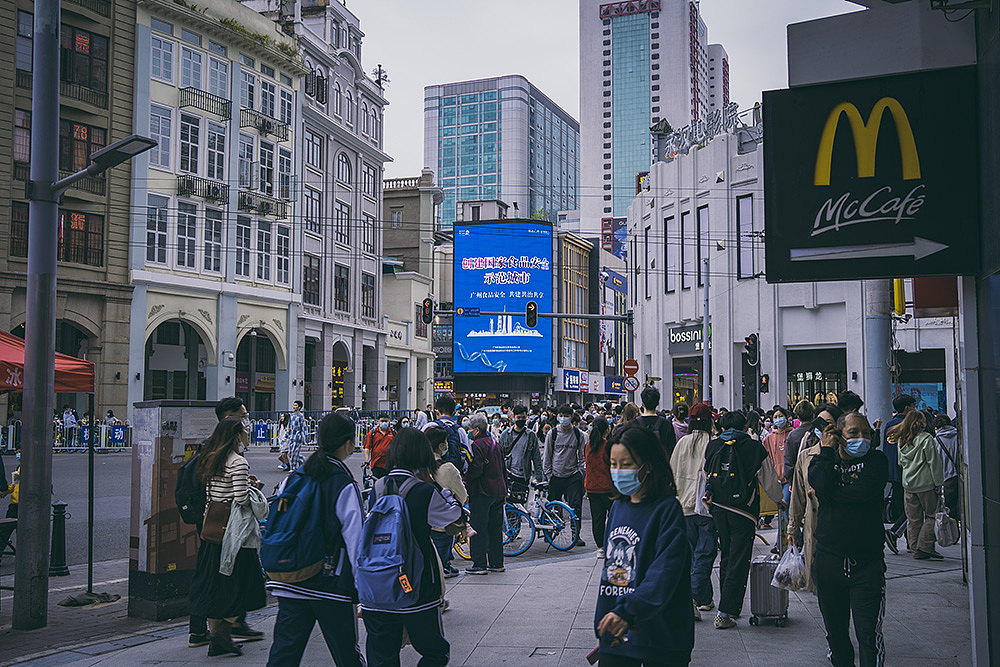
(718, 77)
(501, 138)
(641, 61)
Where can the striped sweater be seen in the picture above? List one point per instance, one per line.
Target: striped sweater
(234, 483)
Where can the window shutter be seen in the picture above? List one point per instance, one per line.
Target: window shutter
(311, 84)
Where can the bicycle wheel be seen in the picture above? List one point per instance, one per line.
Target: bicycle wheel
(518, 531)
(564, 530)
(462, 547)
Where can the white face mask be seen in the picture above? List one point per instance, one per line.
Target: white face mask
(564, 421)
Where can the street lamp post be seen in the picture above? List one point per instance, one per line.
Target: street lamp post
(31, 571)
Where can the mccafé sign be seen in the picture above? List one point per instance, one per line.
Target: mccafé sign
(876, 178)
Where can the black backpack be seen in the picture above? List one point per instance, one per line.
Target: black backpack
(189, 493)
(728, 484)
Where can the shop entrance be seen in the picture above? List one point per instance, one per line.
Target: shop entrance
(816, 375)
(686, 380)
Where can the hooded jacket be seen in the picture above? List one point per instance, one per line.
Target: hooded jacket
(921, 463)
(951, 454)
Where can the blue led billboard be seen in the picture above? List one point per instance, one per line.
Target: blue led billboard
(500, 267)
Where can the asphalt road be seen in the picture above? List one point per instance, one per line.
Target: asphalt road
(113, 486)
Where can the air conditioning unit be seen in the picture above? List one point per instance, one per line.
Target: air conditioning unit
(215, 193)
(186, 186)
(264, 208)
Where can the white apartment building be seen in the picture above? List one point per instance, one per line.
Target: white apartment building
(215, 252)
(641, 62)
(709, 203)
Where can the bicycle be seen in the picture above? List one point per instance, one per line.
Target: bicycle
(556, 521)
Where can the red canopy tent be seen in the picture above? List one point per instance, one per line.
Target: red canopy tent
(72, 375)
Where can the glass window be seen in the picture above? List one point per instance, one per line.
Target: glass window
(215, 47)
(341, 288)
(243, 239)
(470, 113)
(687, 257)
(313, 149)
(367, 295)
(397, 218)
(370, 180)
(215, 152)
(744, 237)
(22, 135)
(248, 88)
(19, 229)
(343, 223)
(190, 37)
(76, 143)
(349, 108)
(190, 68)
(284, 174)
(162, 26)
(310, 280)
(343, 168)
(489, 111)
(419, 328)
(266, 168)
(267, 69)
(25, 34)
(245, 164)
(218, 77)
(364, 118)
(190, 140)
(286, 106)
(156, 229)
(263, 250)
(213, 240)
(338, 102)
(268, 98)
(248, 61)
(312, 209)
(368, 234)
(81, 238)
(187, 233)
(159, 129)
(449, 116)
(703, 241)
(283, 248)
(84, 58)
(162, 58)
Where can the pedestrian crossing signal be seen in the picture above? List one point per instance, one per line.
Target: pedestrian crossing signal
(427, 312)
(531, 314)
(765, 384)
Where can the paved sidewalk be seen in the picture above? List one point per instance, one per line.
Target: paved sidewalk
(541, 613)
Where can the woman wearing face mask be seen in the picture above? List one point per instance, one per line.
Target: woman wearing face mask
(496, 427)
(216, 596)
(329, 595)
(849, 479)
(376, 447)
(643, 614)
(774, 443)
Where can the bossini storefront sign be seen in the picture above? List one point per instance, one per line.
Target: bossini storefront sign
(875, 178)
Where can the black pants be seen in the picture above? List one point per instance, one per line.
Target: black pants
(736, 538)
(6, 532)
(952, 497)
(845, 589)
(379, 473)
(198, 625)
(600, 505)
(487, 520)
(569, 489)
(295, 622)
(608, 660)
(897, 512)
(385, 637)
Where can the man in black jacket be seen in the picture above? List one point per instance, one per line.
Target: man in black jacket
(849, 478)
(804, 412)
(648, 417)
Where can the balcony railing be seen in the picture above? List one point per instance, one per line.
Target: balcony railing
(102, 7)
(264, 124)
(254, 202)
(206, 189)
(401, 183)
(199, 99)
(88, 95)
(22, 171)
(95, 185)
(23, 79)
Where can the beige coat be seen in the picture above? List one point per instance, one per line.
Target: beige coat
(688, 463)
(803, 510)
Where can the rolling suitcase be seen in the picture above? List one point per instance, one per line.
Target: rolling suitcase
(766, 601)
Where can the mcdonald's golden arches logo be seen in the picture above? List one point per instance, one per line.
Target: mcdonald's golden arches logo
(866, 140)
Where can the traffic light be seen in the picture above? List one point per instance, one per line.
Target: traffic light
(765, 383)
(531, 314)
(752, 349)
(427, 314)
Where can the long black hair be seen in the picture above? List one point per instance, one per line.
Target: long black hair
(646, 450)
(411, 450)
(224, 439)
(335, 430)
(598, 434)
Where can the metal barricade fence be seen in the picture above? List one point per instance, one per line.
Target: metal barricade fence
(76, 439)
(265, 432)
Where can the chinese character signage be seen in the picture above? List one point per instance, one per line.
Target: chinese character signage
(500, 267)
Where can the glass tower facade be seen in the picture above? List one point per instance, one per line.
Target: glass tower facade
(630, 114)
(502, 139)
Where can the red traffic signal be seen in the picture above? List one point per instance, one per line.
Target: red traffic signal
(531, 314)
(752, 349)
(427, 312)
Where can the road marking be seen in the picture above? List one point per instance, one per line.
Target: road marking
(10, 595)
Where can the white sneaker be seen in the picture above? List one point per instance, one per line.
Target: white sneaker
(600, 552)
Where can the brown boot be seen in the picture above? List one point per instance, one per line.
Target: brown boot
(221, 640)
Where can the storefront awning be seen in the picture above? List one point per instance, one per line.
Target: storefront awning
(72, 375)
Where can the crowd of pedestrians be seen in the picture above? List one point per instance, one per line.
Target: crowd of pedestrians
(669, 493)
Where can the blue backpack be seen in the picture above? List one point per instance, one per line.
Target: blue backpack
(457, 453)
(294, 545)
(390, 563)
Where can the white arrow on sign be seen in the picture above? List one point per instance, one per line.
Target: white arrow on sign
(918, 249)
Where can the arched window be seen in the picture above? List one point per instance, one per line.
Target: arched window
(375, 127)
(349, 111)
(364, 118)
(337, 101)
(343, 168)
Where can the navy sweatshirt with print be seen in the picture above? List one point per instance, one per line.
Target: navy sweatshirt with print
(647, 581)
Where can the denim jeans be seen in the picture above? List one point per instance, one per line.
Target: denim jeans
(443, 542)
(702, 538)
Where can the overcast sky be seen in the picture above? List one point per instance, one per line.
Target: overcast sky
(423, 43)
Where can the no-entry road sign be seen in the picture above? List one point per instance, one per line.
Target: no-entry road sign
(631, 367)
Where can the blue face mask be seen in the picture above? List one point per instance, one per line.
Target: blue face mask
(780, 422)
(858, 447)
(626, 480)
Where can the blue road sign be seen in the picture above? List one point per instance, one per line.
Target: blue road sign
(118, 435)
(260, 433)
(86, 435)
(468, 312)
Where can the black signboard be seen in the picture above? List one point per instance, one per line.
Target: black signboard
(875, 178)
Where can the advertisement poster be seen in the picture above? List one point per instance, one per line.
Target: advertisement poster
(500, 267)
(926, 394)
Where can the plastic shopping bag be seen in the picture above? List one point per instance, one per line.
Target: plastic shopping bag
(791, 571)
(945, 528)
